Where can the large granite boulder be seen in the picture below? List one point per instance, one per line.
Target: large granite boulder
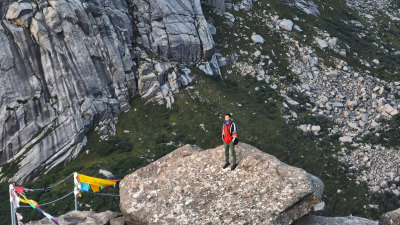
(390, 218)
(175, 29)
(189, 186)
(84, 218)
(63, 66)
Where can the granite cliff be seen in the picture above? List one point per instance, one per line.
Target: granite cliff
(67, 66)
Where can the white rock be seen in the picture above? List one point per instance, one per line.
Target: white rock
(117, 221)
(292, 102)
(346, 139)
(315, 129)
(390, 110)
(15, 9)
(320, 206)
(374, 206)
(106, 173)
(368, 16)
(332, 42)
(257, 39)
(286, 24)
(322, 43)
(303, 127)
(375, 189)
(297, 28)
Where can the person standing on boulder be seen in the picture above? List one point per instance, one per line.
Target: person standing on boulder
(229, 136)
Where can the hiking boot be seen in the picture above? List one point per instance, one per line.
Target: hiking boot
(234, 166)
(226, 165)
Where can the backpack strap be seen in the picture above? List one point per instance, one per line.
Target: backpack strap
(233, 126)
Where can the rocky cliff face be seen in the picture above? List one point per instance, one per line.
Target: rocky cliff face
(66, 65)
(189, 186)
(176, 30)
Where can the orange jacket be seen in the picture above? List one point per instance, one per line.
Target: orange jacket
(229, 132)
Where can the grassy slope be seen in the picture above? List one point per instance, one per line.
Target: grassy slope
(259, 123)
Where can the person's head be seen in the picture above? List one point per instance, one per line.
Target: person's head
(227, 117)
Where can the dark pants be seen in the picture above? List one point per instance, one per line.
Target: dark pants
(232, 147)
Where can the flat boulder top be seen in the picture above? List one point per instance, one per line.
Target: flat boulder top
(189, 186)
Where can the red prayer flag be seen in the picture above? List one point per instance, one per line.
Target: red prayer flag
(19, 189)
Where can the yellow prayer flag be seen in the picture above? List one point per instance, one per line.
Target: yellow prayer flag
(95, 181)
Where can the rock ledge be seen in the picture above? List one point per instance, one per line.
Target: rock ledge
(188, 186)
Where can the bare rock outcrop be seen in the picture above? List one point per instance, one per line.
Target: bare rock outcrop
(189, 186)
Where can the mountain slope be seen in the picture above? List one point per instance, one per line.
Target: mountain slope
(269, 99)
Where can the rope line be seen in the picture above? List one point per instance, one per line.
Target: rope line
(60, 182)
(48, 203)
(105, 194)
